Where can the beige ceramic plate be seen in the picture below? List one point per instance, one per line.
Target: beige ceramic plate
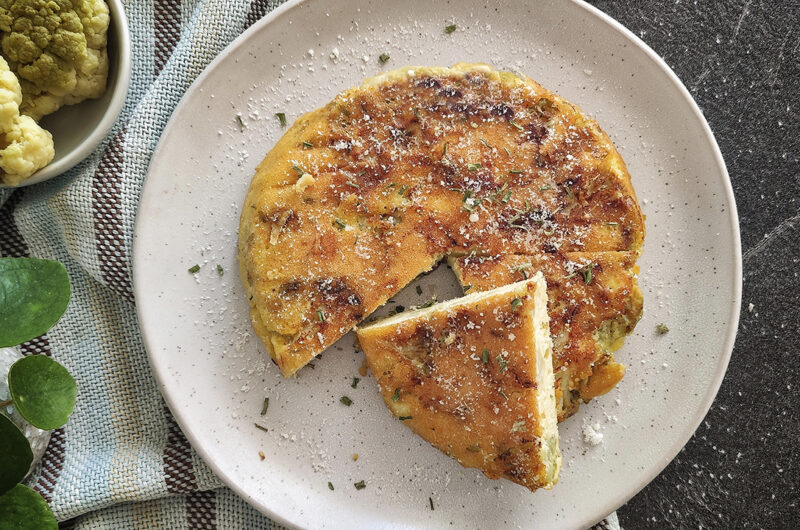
(214, 373)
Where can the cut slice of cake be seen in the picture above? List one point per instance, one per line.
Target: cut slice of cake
(474, 377)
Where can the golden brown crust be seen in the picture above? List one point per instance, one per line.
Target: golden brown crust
(360, 197)
(593, 303)
(464, 376)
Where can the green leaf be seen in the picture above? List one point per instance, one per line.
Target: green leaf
(42, 390)
(23, 509)
(15, 456)
(34, 293)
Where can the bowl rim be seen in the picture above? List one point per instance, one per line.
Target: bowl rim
(123, 79)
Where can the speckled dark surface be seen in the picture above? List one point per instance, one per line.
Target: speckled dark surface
(741, 62)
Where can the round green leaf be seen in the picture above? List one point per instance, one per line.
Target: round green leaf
(34, 293)
(15, 455)
(23, 509)
(42, 390)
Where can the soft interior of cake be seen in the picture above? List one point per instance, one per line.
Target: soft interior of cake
(543, 351)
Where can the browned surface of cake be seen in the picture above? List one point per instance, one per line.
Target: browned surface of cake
(363, 195)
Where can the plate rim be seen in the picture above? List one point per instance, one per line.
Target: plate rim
(705, 404)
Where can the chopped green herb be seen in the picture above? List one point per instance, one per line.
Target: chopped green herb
(507, 151)
(281, 118)
(467, 287)
(506, 197)
(239, 119)
(568, 190)
(392, 185)
(354, 384)
(428, 303)
(444, 149)
(396, 395)
(321, 315)
(416, 112)
(485, 356)
(545, 188)
(662, 329)
(516, 302)
(430, 500)
(450, 29)
(502, 362)
(473, 167)
(346, 400)
(612, 224)
(515, 171)
(516, 216)
(360, 485)
(521, 267)
(485, 143)
(402, 190)
(265, 406)
(194, 268)
(404, 418)
(339, 224)
(220, 270)
(352, 184)
(516, 125)
(587, 273)
(308, 145)
(474, 448)
(503, 394)
(383, 58)
(260, 427)
(544, 105)
(330, 486)
(300, 171)
(419, 289)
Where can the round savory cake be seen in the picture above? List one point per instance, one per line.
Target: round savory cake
(483, 167)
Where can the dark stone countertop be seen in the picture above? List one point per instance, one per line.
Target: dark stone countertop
(740, 60)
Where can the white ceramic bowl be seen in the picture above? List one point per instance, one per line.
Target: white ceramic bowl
(78, 129)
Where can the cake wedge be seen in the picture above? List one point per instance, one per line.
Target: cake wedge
(474, 377)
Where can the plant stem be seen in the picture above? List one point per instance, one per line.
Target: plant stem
(6, 403)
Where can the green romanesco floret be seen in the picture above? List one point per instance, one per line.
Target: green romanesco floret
(24, 146)
(57, 48)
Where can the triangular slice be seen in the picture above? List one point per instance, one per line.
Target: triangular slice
(474, 377)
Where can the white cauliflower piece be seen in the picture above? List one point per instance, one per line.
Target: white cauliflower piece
(24, 146)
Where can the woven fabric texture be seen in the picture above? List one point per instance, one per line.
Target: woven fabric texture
(122, 462)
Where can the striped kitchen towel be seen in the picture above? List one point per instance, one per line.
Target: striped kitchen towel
(122, 462)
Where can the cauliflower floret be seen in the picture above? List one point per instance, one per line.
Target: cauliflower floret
(24, 146)
(57, 48)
